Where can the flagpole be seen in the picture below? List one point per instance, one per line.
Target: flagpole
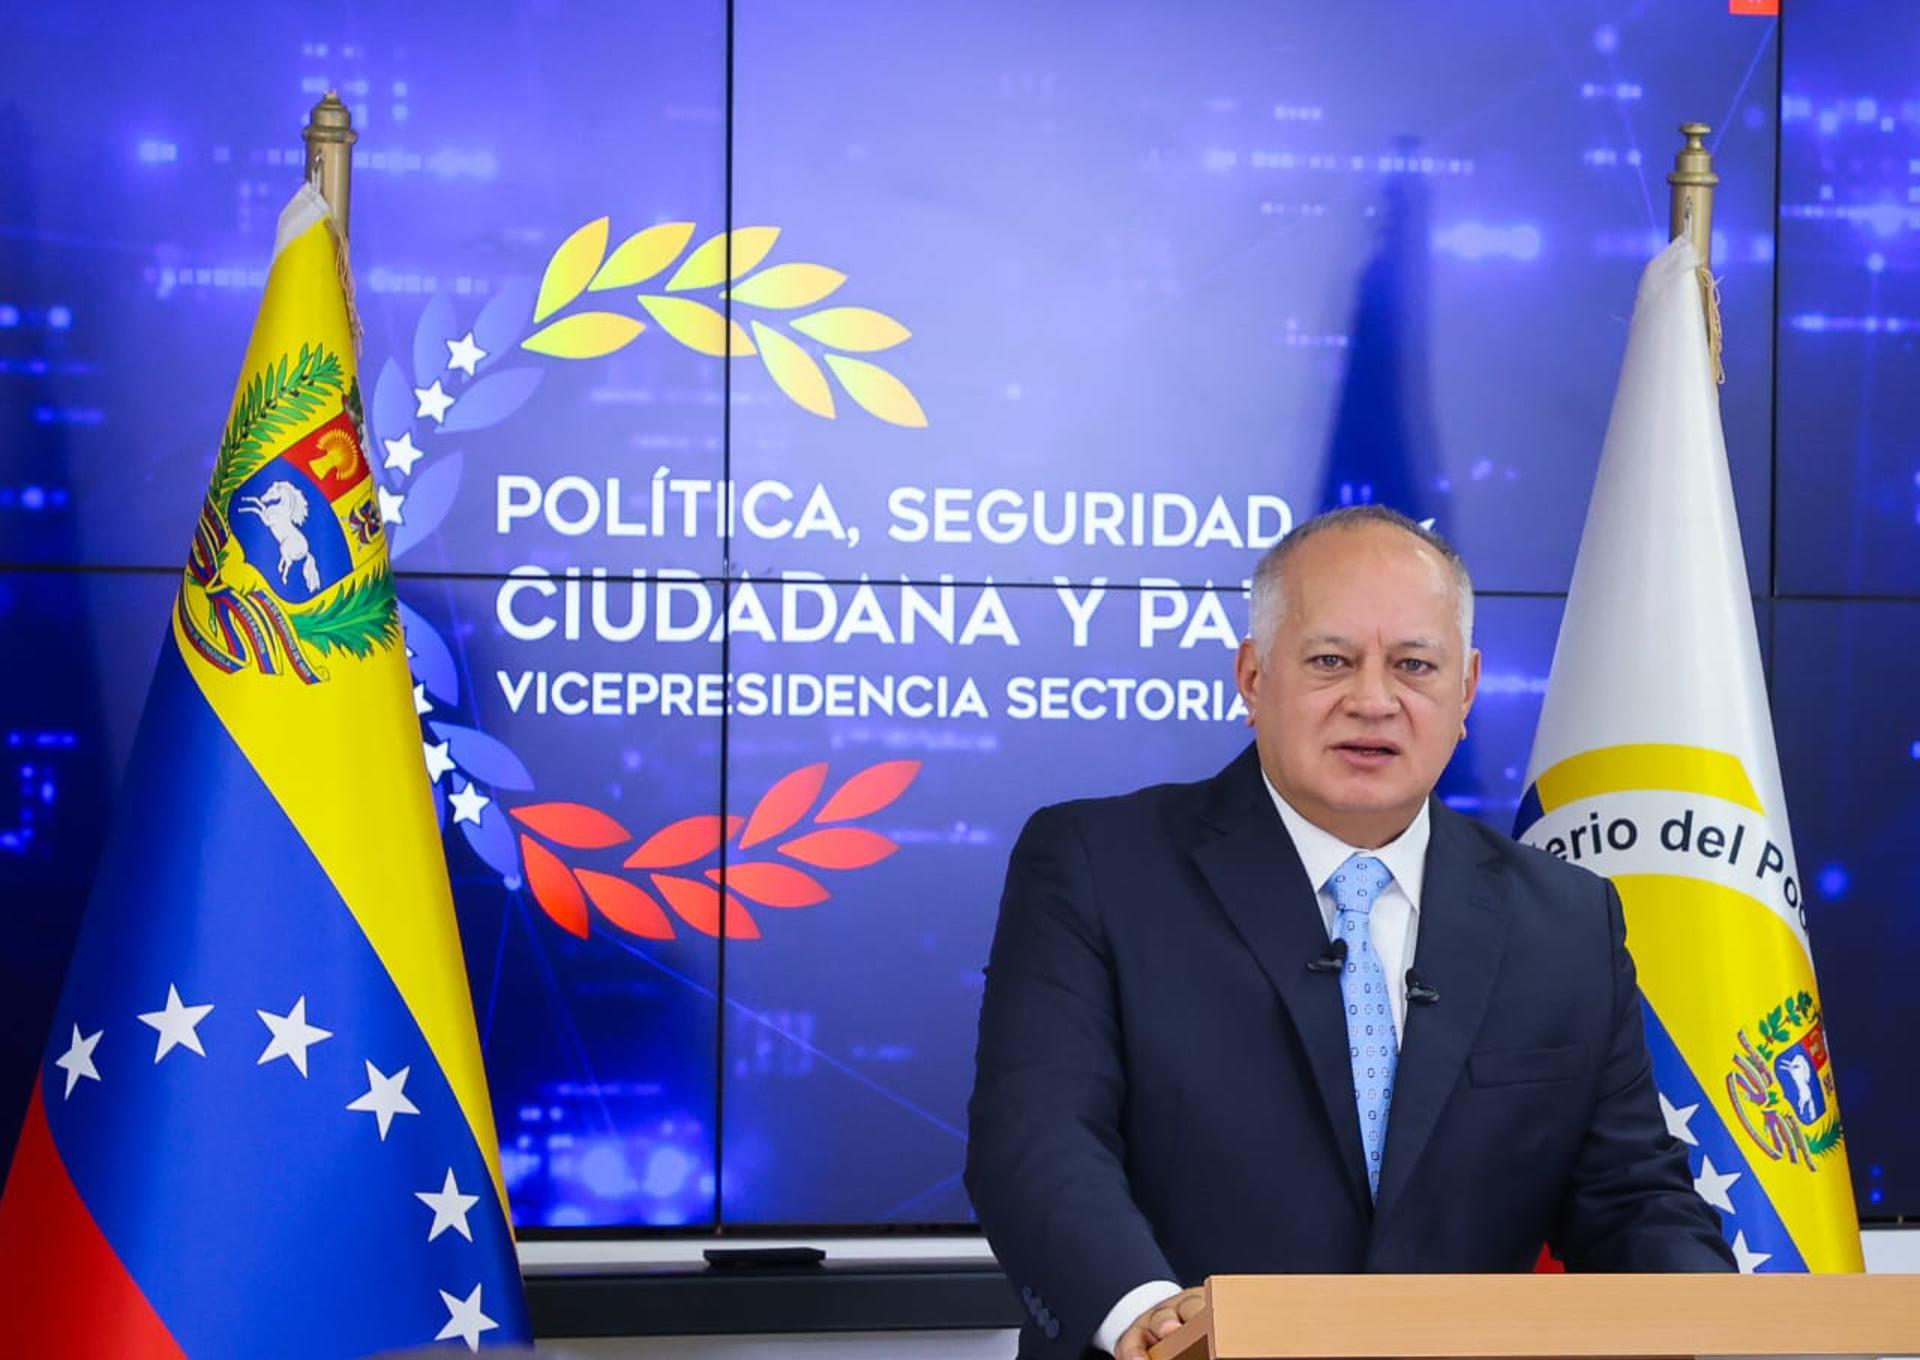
(329, 136)
(1690, 188)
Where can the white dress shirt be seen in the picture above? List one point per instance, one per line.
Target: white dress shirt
(1393, 926)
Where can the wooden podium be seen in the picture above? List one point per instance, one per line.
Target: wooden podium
(1466, 1317)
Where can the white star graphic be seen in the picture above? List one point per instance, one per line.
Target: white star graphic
(1712, 1185)
(390, 507)
(1677, 1120)
(434, 402)
(463, 354)
(439, 762)
(467, 804)
(386, 1097)
(1746, 1257)
(402, 454)
(292, 1036)
(464, 1319)
(176, 1025)
(449, 1208)
(78, 1059)
(421, 703)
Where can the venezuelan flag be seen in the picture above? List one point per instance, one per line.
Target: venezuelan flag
(261, 1127)
(1654, 764)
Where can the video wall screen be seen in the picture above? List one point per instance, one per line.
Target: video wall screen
(811, 524)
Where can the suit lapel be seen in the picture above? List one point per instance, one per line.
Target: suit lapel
(1463, 929)
(1251, 865)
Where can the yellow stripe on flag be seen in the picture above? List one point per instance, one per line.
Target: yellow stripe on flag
(1647, 765)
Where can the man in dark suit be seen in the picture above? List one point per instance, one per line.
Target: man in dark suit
(1300, 1017)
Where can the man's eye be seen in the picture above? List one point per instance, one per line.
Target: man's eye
(1417, 665)
(1326, 662)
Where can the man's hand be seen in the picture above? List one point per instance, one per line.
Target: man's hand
(1158, 1323)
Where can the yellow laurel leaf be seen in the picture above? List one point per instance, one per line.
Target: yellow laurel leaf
(696, 325)
(584, 335)
(788, 285)
(878, 391)
(710, 264)
(570, 268)
(642, 255)
(856, 328)
(795, 371)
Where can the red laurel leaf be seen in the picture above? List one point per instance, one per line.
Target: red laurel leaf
(685, 841)
(773, 885)
(554, 888)
(842, 847)
(573, 824)
(784, 804)
(869, 791)
(699, 906)
(626, 905)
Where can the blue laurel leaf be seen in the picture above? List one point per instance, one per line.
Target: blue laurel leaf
(492, 399)
(432, 660)
(492, 840)
(504, 320)
(393, 406)
(427, 503)
(486, 759)
(430, 340)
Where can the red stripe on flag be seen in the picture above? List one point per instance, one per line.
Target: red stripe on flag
(1759, 7)
(1548, 1263)
(64, 1290)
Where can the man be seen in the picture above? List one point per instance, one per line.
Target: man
(1301, 1016)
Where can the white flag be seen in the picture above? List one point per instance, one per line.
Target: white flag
(1654, 765)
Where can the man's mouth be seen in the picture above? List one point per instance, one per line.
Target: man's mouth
(1367, 750)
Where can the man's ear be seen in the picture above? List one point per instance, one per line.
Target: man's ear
(1472, 679)
(1246, 675)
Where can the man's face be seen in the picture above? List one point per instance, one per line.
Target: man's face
(1364, 690)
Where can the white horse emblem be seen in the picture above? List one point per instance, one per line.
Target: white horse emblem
(1801, 1071)
(283, 508)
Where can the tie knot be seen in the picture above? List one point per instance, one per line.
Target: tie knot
(1357, 884)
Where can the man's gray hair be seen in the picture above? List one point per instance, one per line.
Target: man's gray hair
(1269, 598)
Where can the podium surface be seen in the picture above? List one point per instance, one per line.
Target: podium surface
(1425, 1317)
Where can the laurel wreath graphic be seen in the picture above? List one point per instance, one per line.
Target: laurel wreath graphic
(712, 903)
(569, 856)
(1777, 1027)
(723, 266)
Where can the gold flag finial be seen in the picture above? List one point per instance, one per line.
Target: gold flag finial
(1690, 214)
(1692, 183)
(330, 137)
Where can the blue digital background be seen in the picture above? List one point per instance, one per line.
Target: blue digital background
(1375, 252)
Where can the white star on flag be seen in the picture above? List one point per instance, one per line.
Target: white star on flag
(78, 1059)
(390, 507)
(449, 1208)
(386, 1097)
(434, 402)
(1712, 1185)
(421, 703)
(177, 1025)
(292, 1036)
(464, 1319)
(463, 354)
(467, 804)
(1746, 1257)
(402, 454)
(1678, 1119)
(439, 762)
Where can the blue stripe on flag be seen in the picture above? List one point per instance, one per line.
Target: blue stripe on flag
(1753, 1213)
(257, 1212)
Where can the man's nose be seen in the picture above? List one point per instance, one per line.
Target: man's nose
(1371, 695)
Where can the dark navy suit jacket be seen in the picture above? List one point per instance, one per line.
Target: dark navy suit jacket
(1163, 1088)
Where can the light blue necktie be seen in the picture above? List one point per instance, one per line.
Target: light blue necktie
(1356, 886)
